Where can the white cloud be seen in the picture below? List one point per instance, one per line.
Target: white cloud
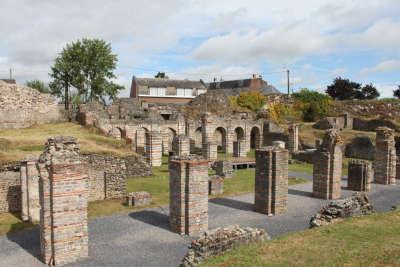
(386, 91)
(384, 66)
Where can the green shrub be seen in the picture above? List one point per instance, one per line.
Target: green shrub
(252, 100)
(312, 104)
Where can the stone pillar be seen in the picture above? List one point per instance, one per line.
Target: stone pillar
(140, 140)
(188, 186)
(271, 180)
(230, 136)
(64, 192)
(385, 156)
(30, 191)
(293, 139)
(327, 170)
(207, 136)
(181, 145)
(239, 148)
(224, 168)
(153, 148)
(348, 121)
(165, 144)
(360, 175)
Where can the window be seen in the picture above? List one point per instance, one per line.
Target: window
(170, 91)
(185, 92)
(156, 91)
(144, 90)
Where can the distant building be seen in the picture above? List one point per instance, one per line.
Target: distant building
(165, 90)
(236, 86)
(11, 81)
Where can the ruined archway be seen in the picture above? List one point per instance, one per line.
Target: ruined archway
(255, 138)
(220, 138)
(239, 133)
(117, 133)
(141, 139)
(170, 134)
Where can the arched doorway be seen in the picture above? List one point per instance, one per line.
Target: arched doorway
(220, 138)
(167, 140)
(239, 133)
(117, 133)
(255, 138)
(197, 138)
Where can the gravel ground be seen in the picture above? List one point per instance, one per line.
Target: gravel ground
(143, 239)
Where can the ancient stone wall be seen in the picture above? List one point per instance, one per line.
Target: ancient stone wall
(153, 148)
(64, 192)
(359, 175)
(21, 107)
(293, 138)
(10, 191)
(360, 147)
(181, 145)
(188, 186)
(271, 184)
(239, 148)
(327, 169)
(385, 156)
(30, 191)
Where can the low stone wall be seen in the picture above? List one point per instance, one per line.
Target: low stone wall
(216, 242)
(136, 166)
(335, 211)
(371, 125)
(304, 155)
(10, 191)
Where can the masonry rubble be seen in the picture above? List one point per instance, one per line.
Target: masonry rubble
(327, 169)
(335, 211)
(385, 157)
(64, 193)
(359, 175)
(138, 199)
(219, 240)
(188, 186)
(271, 180)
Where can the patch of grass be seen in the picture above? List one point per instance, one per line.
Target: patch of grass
(301, 167)
(15, 144)
(367, 241)
(10, 222)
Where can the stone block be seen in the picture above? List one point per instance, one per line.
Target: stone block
(138, 199)
(359, 175)
(224, 168)
(215, 185)
(385, 157)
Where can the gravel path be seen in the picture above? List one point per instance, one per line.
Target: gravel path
(143, 239)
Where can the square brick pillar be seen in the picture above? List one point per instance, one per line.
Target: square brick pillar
(239, 148)
(327, 169)
(188, 187)
(360, 175)
(30, 191)
(153, 148)
(181, 145)
(271, 180)
(385, 157)
(64, 192)
(293, 138)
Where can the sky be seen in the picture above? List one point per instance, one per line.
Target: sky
(317, 40)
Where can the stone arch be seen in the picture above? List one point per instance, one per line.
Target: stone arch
(239, 133)
(255, 138)
(170, 133)
(117, 132)
(141, 139)
(220, 136)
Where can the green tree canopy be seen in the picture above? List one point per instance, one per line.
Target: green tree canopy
(312, 104)
(344, 89)
(88, 66)
(38, 85)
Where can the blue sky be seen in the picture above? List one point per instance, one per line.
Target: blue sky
(193, 39)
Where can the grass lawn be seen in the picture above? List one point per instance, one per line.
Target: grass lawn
(367, 241)
(15, 144)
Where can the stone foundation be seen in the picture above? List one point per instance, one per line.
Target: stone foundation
(153, 148)
(271, 185)
(327, 169)
(188, 187)
(215, 185)
(385, 157)
(359, 175)
(64, 193)
(138, 199)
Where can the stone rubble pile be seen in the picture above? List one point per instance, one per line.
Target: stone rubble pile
(356, 205)
(219, 240)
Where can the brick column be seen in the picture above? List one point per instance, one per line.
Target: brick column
(360, 175)
(188, 186)
(207, 136)
(64, 199)
(153, 148)
(30, 191)
(327, 170)
(165, 144)
(239, 148)
(271, 180)
(293, 140)
(181, 145)
(385, 156)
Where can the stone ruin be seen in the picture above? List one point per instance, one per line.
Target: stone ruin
(188, 187)
(181, 145)
(153, 148)
(327, 170)
(293, 138)
(138, 199)
(215, 185)
(335, 211)
(385, 157)
(359, 175)
(64, 193)
(30, 207)
(220, 240)
(271, 180)
(223, 168)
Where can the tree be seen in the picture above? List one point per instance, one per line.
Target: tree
(252, 100)
(88, 66)
(343, 89)
(369, 91)
(313, 105)
(38, 85)
(396, 92)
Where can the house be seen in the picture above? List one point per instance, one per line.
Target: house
(10, 81)
(165, 90)
(255, 83)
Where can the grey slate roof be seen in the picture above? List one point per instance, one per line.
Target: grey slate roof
(159, 82)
